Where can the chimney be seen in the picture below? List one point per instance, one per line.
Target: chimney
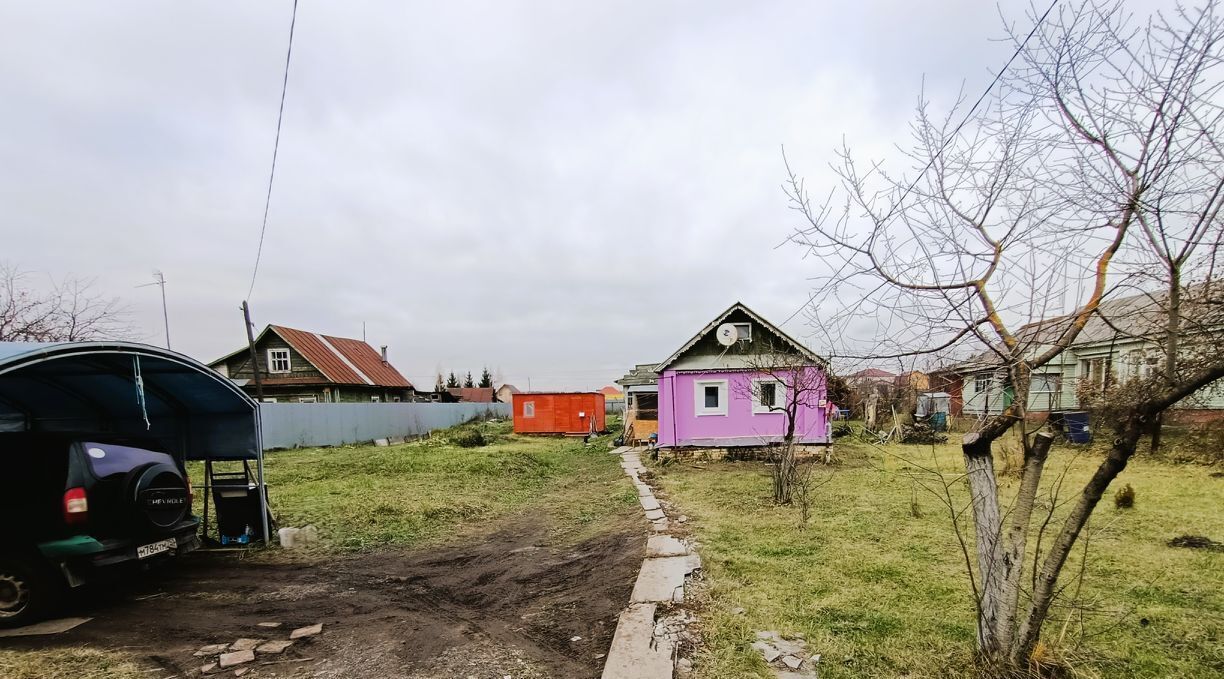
(384, 353)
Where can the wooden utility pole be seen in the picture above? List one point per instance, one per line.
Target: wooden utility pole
(246, 315)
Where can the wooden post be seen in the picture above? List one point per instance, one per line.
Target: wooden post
(246, 314)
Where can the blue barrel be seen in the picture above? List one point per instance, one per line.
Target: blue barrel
(1075, 426)
(939, 421)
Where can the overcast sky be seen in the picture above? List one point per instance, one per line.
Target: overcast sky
(556, 190)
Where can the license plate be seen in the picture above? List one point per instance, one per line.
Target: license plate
(146, 551)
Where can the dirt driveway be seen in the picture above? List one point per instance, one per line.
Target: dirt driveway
(506, 605)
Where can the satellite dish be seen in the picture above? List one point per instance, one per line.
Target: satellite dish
(727, 334)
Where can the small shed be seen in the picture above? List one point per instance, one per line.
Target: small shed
(570, 413)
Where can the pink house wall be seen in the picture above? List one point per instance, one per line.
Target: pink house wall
(679, 425)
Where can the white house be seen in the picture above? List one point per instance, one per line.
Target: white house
(1112, 346)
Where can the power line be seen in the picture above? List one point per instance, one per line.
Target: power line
(955, 132)
(275, 148)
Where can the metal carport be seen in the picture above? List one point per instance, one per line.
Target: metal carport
(130, 389)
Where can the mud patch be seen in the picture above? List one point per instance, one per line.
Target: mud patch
(1197, 542)
(507, 605)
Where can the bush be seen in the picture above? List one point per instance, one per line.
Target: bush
(1125, 497)
(468, 437)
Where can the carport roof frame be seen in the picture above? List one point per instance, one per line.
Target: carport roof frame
(226, 401)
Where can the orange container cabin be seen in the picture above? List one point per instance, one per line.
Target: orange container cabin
(574, 414)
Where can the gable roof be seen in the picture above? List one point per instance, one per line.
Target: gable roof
(340, 359)
(867, 373)
(1134, 317)
(472, 394)
(718, 320)
(642, 374)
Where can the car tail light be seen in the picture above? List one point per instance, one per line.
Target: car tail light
(76, 506)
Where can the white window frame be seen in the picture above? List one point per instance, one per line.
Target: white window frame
(274, 355)
(308, 399)
(780, 394)
(699, 406)
(743, 331)
(528, 409)
(986, 379)
(1050, 379)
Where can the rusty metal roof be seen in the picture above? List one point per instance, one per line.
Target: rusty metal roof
(472, 394)
(342, 360)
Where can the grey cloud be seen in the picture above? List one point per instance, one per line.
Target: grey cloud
(554, 189)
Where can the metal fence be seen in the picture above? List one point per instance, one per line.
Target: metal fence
(297, 425)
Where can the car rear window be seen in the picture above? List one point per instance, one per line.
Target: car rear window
(108, 458)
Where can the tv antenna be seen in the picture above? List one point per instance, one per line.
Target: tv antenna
(159, 279)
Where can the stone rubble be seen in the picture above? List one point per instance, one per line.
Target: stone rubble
(309, 631)
(235, 658)
(245, 644)
(787, 657)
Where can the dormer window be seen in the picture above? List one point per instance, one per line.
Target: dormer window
(278, 361)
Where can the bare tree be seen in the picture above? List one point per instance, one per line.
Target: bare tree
(69, 310)
(786, 383)
(1095, 167)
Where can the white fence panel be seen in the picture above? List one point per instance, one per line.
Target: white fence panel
(298, 425)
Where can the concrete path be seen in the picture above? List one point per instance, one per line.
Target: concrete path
(644, 646)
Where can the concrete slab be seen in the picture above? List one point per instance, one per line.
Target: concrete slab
(245, 644)
(767, 650)
(660, 580)
(655, 514)
(277, 646)
(235, 658)
(306, 631)
(694, 561)
(649, 503)
(46, 627)
(660, 526)
(635, 652)
(644, 490)
(664, 545)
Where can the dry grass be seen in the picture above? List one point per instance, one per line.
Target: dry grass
(876, 583)
(67, 663)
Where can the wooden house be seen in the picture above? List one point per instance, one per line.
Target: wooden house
(725, 392)
(299, 366)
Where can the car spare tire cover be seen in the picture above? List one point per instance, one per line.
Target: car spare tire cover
(159, 495)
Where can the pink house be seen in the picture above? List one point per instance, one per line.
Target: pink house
(733, 383)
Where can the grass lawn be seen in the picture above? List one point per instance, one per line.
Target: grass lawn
(365, 497)
(879, 592)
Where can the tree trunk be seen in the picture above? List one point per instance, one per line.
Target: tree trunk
(1043, 594)
(1017, 535)
(984, 492)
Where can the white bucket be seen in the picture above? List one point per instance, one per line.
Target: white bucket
(308, 535)
(288, 537)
